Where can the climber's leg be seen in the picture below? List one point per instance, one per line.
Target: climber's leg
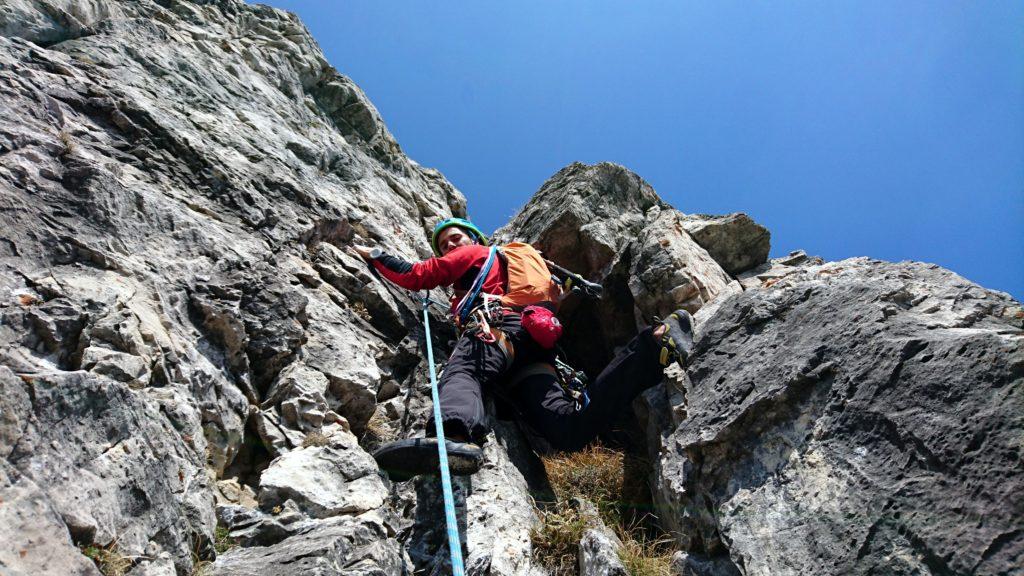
(473, 365)
(675, 337)
(547, 409)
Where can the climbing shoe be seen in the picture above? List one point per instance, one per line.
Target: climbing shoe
(677, 341)
(404, 459)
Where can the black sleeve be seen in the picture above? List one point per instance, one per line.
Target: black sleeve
(394, 263)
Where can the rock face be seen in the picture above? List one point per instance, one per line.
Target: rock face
(186, 344)
(325, 481)
(183, 338)
(853, 417)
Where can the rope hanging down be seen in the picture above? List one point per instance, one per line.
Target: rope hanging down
(454, 545)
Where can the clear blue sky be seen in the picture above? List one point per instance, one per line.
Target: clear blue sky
(885, 129)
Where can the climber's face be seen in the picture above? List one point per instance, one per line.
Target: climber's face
(452, 238)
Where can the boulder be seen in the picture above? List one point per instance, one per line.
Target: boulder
(768, 273)
(339, 546)
(668, 270)
(324, 481)
(684, 564)
(735, 241)
(599, 546)
(37, 540)
(108, 463)
(583, 216)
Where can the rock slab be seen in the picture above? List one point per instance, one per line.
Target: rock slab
(853, 417)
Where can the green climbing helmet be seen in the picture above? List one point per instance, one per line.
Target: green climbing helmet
(461, 223)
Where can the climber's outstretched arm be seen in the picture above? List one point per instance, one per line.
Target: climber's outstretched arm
(424, 275)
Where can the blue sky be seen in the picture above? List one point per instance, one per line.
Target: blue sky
(886, 129)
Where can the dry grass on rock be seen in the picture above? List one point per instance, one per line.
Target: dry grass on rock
(315, 439)
(556, 543)
(108, 559)
(643, 555)
(596, 474)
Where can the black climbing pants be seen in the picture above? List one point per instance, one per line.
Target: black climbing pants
(476, 366)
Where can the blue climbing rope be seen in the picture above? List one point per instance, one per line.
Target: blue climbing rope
(454, 545)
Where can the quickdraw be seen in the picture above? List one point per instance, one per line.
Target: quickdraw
(573, 383)
(481, 321)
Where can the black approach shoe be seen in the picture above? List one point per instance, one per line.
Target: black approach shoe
(404, 459)
(677, 342)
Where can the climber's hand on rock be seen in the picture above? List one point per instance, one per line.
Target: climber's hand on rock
(364, 252)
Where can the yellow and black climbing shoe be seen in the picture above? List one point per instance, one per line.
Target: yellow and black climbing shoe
(677, 342)
(404, 459)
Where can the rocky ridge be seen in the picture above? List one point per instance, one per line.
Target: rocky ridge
(186, 344)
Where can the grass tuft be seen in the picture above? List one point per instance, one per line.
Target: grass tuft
(201, 568)
(556, 542)
(222, 542)
(603, 477)
(377, 429)
(360, 310)
(643, 555)
(315, 439)
(67, 141)
(594, 473)
(108, 559)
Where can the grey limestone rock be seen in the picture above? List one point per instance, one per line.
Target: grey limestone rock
(853, 417)
(583, 216)
(735, 241)
(178, 181)
(599, 546)
(253, 527)
(36, 539)
(161, 565)
(668, 270)
(109, 463)
(499, 509)
(324, 481)
(684, 564)
(607, 224)
(494, 508)
(768, 273)
(343, 545)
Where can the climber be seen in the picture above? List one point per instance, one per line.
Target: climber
(507, 348)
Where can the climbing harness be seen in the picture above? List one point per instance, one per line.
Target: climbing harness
(480, 320)
(454, 544)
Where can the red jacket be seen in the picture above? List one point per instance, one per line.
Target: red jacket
(457, 268)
